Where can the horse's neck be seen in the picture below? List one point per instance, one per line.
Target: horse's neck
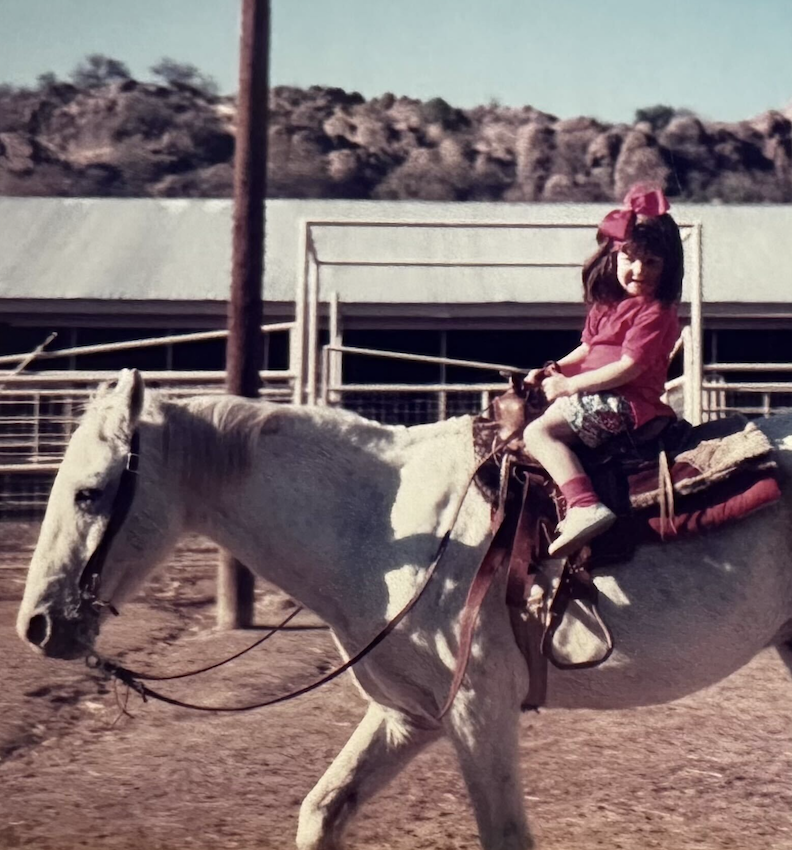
(310, 512)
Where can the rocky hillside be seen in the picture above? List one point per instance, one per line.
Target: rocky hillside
(128, 138)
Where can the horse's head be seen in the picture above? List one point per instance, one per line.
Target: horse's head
(102, 528)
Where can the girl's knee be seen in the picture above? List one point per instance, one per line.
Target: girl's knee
(537, 429)
(551, 425)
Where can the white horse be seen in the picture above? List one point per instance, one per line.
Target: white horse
(345, 515)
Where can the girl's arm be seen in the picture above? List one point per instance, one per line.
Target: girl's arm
(573, 358)
(606, 377)
(569, 361)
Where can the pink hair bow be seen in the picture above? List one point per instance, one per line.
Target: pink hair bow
(641, 200)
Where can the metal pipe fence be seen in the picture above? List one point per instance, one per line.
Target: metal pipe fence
(39, 411)
(404, 254)
(135, 344)
(406, 404)
(417, 404)
(400, 403)
(753, 398)
(38, 414)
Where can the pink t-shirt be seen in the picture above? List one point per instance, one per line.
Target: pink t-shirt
(646, 331)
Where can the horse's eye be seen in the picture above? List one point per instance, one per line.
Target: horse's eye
(88, 496)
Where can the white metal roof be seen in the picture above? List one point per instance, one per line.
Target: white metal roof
(180, 250)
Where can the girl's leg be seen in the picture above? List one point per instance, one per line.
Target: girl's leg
(549, 439)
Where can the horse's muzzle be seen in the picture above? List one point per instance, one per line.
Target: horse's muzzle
(60, 637)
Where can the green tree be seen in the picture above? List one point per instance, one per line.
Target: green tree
(47, 81)
(175, 73)
(98, 70)
(438, 111)
(658, 116)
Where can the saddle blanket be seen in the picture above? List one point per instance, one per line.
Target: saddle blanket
(722, 449)
(715, 481)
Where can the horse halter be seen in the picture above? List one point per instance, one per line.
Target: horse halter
(91, 575)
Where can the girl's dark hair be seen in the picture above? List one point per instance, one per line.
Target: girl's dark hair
(659, 236)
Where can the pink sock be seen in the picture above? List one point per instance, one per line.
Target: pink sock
(578, 492)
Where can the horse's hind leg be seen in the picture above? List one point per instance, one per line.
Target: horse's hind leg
(380, 746)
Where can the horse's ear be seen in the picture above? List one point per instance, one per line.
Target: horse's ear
(131, 389)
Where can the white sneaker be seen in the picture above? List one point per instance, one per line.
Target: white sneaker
(579, 526)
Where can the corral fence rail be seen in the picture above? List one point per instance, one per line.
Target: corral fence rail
(427, 402)
(314, 262)
(723, 397)
(40, 410)
(431, 402)
(38, 414)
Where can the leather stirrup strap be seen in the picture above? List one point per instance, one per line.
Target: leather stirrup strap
(525, 554)
(528, 632)
(495, 557)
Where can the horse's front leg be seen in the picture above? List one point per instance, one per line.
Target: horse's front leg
(381, 745)
(484, 730)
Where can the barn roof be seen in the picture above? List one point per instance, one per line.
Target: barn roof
(180, 250)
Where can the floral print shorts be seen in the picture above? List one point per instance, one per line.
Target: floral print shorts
(596, 417)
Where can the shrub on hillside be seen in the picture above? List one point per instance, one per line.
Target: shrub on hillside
(177, 74)
(99, 70)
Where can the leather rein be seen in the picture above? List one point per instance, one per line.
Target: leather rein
(90, 580)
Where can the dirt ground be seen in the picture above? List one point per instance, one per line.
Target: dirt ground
(708, 772)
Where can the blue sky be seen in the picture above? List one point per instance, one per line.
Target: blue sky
(725, 59)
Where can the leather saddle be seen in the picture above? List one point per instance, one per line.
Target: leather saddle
(553, 602)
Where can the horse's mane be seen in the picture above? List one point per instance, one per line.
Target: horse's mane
(225, 431)
(214, 438)
(220, 433)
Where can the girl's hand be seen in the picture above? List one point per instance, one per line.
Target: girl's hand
(556, 386)
(533, 377)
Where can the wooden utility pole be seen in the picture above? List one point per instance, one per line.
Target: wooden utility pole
(244, 348)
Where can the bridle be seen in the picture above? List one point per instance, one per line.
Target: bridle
(91, 576)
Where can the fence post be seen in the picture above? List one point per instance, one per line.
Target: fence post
(313, 324)
(298, 334)
(335, 368)
(36, 447)
(696, 330)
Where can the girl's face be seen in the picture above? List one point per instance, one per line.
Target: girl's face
(638, 271)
